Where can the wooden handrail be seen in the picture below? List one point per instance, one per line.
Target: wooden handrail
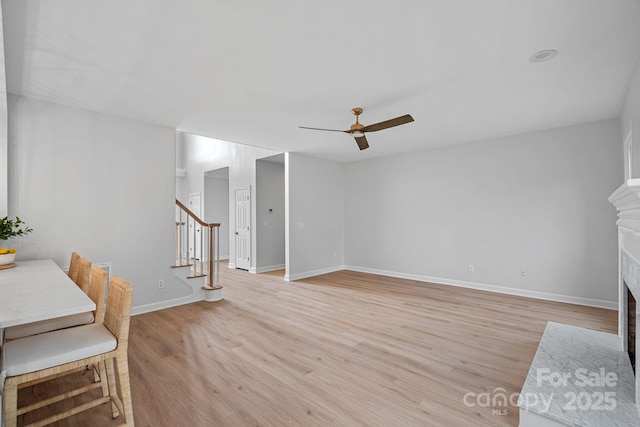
(195, 217)
(213, 273)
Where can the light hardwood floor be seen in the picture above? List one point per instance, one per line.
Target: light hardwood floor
(342, 349)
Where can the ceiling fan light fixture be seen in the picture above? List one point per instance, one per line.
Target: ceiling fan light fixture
(543, 55)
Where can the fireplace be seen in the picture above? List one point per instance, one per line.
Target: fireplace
(626, 199)
(631, 328)
(629, 293)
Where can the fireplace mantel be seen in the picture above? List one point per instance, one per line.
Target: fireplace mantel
(626, 200)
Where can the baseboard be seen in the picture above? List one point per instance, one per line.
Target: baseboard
(161, 305)
(612, 305)
(304, 275)
(268, 268)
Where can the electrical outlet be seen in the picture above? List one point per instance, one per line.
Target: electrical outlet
(471, 268)
(161, 284)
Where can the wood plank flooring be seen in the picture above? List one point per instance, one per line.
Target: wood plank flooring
(342, 349)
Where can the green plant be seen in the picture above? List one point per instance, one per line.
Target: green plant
(13, 228)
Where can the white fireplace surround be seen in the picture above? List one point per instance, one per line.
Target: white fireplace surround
(626, 199)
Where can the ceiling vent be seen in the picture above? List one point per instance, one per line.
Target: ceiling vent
(543, 55)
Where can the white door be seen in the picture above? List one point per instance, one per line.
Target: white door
(243, 235)
(194, 227)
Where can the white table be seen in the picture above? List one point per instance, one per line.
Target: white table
(39, 290)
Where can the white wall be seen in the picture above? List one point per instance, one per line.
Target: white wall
(3, 127)
(203, 154)
(181, 184)
(314, 198)
(216, 209)
(95, 184)
(535, 202)
(270, 216)
(630, 121)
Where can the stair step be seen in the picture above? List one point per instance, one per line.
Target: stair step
(211, 288)
(181, 265)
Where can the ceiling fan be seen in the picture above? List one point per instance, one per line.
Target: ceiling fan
(358, 130)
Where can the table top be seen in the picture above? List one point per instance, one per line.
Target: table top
(39, 290)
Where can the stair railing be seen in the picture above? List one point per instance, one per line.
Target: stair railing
(194, 256)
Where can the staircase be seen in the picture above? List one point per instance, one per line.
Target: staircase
(198, 251)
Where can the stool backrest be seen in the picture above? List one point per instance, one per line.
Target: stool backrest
(84, 271)
(98, 291)
(118, 313)
(73, 266)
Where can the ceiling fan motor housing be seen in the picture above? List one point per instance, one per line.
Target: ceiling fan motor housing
(355, 128)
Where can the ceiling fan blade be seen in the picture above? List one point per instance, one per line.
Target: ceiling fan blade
(362, 142)
(330, 130)
(388, 123)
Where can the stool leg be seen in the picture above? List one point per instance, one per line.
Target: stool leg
(101, 372)
(10, 397)
(113, 388)
(125, 387)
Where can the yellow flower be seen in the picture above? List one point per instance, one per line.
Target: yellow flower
(12, 250)
(3, 251)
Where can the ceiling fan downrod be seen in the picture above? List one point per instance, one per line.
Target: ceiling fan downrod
(355, 129)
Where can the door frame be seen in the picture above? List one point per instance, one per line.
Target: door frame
(241, 265)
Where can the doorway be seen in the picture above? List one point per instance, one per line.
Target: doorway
(270, 214)
(216, 205)
(242, 231)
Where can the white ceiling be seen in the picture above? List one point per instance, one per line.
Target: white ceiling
(253, 71)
